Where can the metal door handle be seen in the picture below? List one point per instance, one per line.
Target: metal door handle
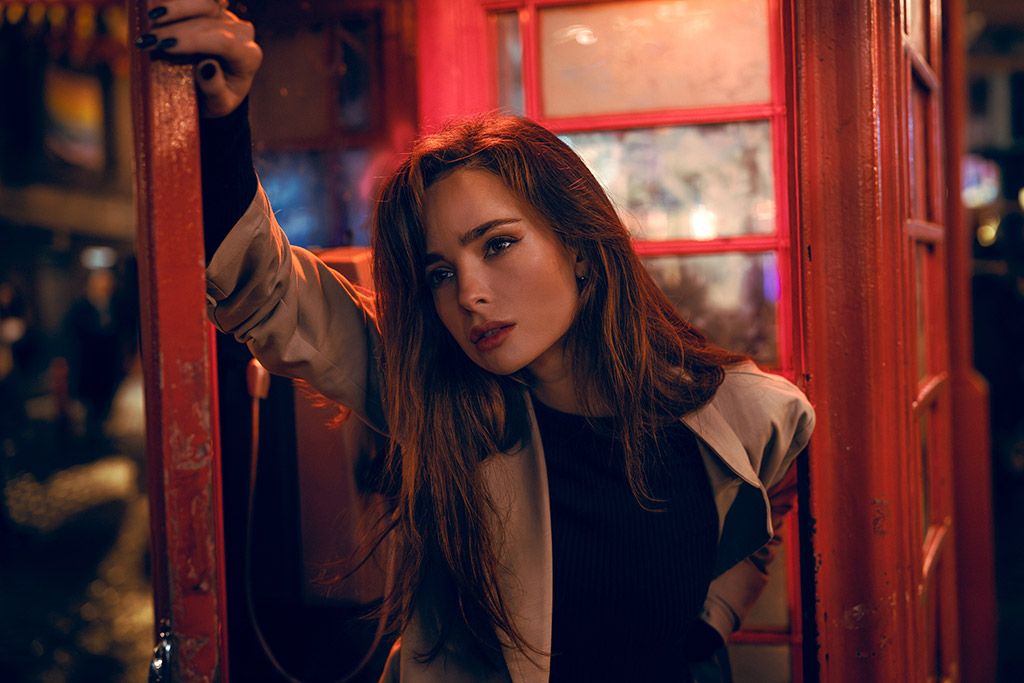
(160, 665)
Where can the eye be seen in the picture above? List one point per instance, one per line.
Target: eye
(498, 245)
(437, 277)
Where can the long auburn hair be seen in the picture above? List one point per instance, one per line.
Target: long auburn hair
(628, 348)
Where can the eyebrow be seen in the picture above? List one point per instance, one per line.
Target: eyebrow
(473, 234)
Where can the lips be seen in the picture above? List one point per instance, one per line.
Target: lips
(488, 331)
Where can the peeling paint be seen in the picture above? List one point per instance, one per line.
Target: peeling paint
(201, 412)
(186, 451)
(857, 617)
(191, 649)
(191, 371)
(880, 521)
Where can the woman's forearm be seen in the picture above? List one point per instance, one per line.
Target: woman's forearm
(228, 179)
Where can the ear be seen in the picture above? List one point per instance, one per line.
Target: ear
(582, 266)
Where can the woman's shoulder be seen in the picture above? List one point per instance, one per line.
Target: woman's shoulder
(750, 395)
(756, 422)
(746, 376)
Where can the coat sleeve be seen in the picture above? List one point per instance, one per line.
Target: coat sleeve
(299, 317)
(790, 420)
(732, 594)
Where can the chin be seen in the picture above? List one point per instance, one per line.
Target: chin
(502, 369)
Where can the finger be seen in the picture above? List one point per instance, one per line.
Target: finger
(204, 34)
(164, 12)
(218, 98)
(210, 76)
(220, 94)
(232, 41)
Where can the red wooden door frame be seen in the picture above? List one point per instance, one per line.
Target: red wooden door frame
(178, 366)
(972, 472)
(858, 342)
(846, 137)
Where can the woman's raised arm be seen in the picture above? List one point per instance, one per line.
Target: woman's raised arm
(299, 317)
(228, 54)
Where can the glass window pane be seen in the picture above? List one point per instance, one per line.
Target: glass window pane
(761, 663)
(921, 304)
(358, 180)
(510, 63)
(291, 104)
(613, 57)
(322, 200)
(772, 609)
(924, 432)
(937, 621)
(731, 297)
(686, 182)
(357, 50)
(922, 190)
(918, 25)
(298, 183)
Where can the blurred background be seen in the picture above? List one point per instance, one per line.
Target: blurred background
(75, 597)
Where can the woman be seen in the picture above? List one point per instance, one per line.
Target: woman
(573, 463)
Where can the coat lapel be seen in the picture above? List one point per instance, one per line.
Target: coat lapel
(723, 455)
(518, 484)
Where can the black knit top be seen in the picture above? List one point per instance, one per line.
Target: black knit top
(629, 583)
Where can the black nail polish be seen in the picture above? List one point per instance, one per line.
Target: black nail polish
(145, 40)
(207, 71)
(166, 43)
(156, 12)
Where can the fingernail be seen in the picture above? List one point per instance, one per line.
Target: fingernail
(166, 43)
(207, 71)
(145, 40)
(157, 12)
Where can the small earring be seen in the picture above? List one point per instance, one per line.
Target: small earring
(581, 278)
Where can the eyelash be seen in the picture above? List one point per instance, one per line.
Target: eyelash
(493, 247)
(490, 248)
(434, 279)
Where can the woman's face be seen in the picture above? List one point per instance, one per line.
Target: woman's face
(504, 285)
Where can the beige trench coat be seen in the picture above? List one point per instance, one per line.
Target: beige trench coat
(303, 320)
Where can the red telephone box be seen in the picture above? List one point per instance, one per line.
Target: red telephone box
(785, 165)
(860, 107)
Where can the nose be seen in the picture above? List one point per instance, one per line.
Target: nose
(474, 290)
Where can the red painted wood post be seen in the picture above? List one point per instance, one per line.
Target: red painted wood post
(848, 139)
(178, 365)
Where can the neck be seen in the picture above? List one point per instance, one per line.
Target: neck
(552, 382)
(555, 387)
(561, 397)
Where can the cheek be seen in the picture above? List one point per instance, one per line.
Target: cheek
(558, 293)
(446, 313)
